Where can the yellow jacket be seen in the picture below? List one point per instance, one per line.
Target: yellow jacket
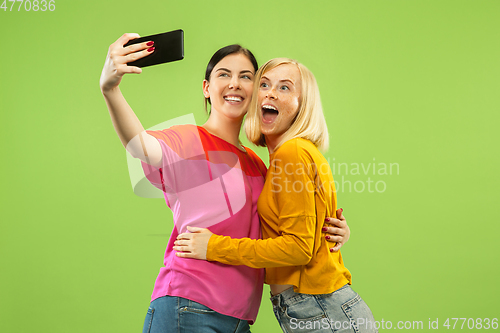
(298, 195)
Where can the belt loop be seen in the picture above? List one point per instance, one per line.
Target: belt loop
(276, 300)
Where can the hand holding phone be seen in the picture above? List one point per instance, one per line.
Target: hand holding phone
(168, 46)
(115, 65)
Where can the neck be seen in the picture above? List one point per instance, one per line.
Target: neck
(225, 128)
(271, 142)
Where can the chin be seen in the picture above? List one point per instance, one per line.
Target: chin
(236, 116)
(266, 131)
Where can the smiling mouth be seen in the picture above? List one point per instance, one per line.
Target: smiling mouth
(269, 113)
(233, 98)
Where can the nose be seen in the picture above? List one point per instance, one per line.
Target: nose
(271, 94)
(235, 82)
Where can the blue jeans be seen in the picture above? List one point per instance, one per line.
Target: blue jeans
(341, 311)
(181, 315)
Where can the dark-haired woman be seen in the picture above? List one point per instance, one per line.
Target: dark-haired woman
(209, 180)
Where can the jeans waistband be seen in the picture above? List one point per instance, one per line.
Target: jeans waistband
(285, 294)
(289, 293)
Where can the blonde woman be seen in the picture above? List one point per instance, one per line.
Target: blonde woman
(309, 283)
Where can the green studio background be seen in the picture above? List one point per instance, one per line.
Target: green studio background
(411, 85)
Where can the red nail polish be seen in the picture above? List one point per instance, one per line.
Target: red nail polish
(323, 229)
(331, 250)
(150, 43)
(151, 49)
(341, 210)
(327, 219)
(327, 237)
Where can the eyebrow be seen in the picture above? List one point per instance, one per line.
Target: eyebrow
(285, 80)
(227, 70)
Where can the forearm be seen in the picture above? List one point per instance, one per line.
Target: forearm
(286, 250)
(129, 129)
(125, 122)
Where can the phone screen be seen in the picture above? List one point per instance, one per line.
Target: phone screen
(169, 46)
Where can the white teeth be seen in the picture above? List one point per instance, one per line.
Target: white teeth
(233, 98)
(270, 107)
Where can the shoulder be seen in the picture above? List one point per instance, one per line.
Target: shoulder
(177, 133)
(179, 130)
(184, 140)
(256, 159)
(253, 155)
(296, 149)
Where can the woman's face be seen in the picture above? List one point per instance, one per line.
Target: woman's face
(278, 99)
(230, 86)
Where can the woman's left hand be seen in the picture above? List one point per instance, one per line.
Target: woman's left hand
(194, 244)
(337, 230)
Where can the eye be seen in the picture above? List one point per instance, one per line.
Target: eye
(246, 77)
(223, 75)
(263, 85)
(284, 88)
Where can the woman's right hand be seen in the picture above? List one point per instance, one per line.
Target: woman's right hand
(118, 57)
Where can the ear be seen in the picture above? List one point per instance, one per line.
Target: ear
(206, 93)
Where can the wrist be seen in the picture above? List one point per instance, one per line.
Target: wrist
(109, 91)
(210, 246)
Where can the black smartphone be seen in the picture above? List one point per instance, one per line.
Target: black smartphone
(169, 46)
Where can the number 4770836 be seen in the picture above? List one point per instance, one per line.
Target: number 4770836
(34, 5)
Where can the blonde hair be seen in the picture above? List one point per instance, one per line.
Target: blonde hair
(309, 123)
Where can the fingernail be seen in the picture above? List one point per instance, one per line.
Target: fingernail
(341, 210)
(150, 43)
(327, 219)
(331, 250)
(327, 237)
(324, 229)
(151, 49)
